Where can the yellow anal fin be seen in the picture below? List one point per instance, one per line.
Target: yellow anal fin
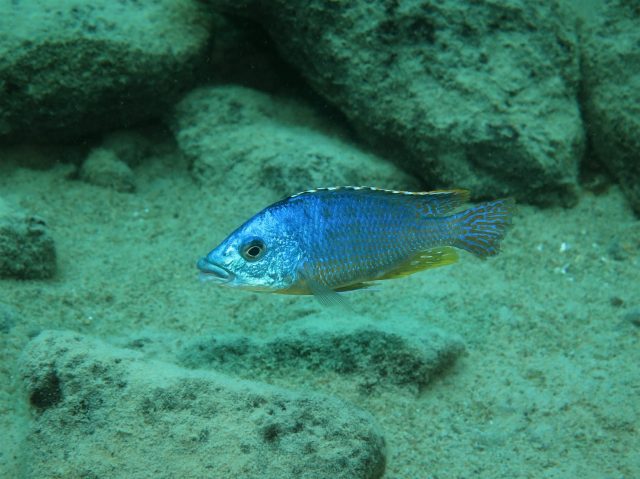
(432, 258)
(353, 287)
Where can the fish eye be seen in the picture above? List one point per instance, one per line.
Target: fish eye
(253, 250)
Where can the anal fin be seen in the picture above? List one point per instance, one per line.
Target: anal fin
(353, 287)
(428, 259)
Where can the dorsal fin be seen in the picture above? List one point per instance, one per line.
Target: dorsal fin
(431, 203)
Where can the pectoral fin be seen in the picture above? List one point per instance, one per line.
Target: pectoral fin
(321, 292)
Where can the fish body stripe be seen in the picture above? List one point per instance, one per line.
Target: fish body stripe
(358, 238)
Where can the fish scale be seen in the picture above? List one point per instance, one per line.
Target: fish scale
(365, 248)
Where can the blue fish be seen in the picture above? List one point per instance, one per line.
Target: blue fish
(329, 240)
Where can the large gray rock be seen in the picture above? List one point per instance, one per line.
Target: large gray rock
(474, 94)
(72, 67)
(105, 412)
(611, 59)
(245, 141)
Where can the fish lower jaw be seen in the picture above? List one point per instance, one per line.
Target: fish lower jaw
(212, 272)
(208, 277)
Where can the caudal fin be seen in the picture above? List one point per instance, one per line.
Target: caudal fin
(480, 229)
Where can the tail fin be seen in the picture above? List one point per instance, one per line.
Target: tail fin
(480, 229)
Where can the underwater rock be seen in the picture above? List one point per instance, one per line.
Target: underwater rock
(480, 95)
(246, 140)
(27, 251)
(8, 318)
(611, 59)
(103, 168)
(130, 146)
(101, 411)
(625, 244)
(407, 354)
(72, 68)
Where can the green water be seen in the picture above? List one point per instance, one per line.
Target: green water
(137, 147)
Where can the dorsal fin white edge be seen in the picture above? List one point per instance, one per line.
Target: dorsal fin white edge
(374, 188)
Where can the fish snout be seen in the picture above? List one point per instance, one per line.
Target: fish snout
(210, 271)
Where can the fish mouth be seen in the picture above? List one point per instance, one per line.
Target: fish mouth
(213, 272)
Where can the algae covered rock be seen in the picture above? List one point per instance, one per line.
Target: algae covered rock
(243, 140)
(611, 59)
(132, 146)
(103, 168)
(480, 95)
(101, 411)
(27, 251)
(8, 318)
(407, 354)
(72, 67)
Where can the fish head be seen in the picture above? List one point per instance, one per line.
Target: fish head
(261, 255)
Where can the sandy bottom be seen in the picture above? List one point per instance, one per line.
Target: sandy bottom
(549, 386)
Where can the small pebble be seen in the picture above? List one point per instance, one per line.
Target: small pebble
(616, 302)
(633, 316)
